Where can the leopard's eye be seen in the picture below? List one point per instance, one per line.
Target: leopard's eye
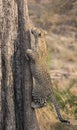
(40, 34)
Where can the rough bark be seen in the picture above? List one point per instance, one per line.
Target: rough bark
(15, 75)
(30, 120)
(7, 29)
(0, 68)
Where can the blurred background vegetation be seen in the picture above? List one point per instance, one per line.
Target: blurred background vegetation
(59, 19)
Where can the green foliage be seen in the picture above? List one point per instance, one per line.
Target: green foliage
(66, 100)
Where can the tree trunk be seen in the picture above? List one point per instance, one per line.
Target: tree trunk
(15, 75)
(0, 71)
(8, 30)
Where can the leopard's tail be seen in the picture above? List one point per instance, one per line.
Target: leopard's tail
(52, 97)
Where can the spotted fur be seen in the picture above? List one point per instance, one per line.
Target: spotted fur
(43, 86)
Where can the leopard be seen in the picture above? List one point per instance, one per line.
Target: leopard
(43, 89)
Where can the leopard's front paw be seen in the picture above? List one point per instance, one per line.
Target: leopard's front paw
(28, 51)
(26, 54)
(30, 54)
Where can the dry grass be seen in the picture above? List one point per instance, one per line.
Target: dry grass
(62, 42)
(47, 120)
(63, 52)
